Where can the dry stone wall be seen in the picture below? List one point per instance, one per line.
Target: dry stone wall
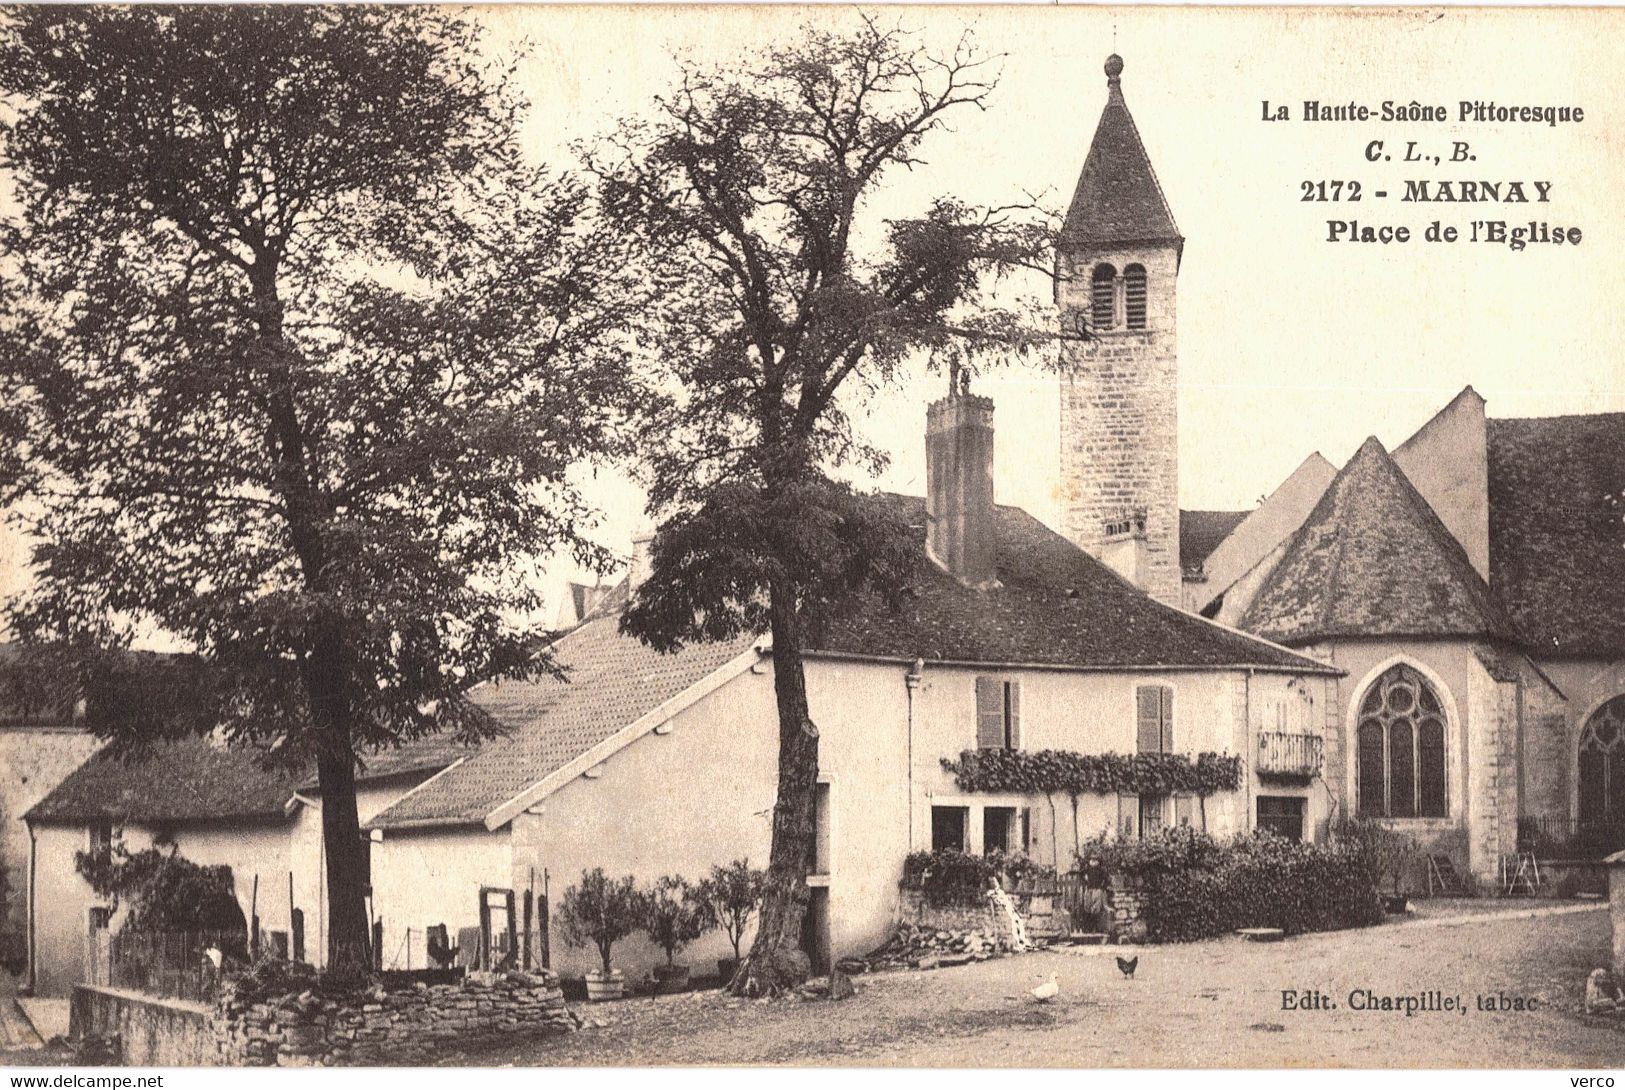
(408, 1026)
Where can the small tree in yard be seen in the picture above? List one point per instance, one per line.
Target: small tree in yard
(744, 198)
(733, 893)
(673, 915)
(296, 351)
(601, 911)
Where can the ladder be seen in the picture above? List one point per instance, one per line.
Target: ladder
(1442, 877)
(1522, 875)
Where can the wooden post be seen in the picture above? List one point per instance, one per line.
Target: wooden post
(1616, 910)
(254, 921)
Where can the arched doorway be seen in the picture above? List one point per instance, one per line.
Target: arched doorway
(1602, 766)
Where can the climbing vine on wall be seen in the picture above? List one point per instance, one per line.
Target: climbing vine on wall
(1055, 771)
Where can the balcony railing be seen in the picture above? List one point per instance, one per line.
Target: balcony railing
(1552, 836)
(1289, 756)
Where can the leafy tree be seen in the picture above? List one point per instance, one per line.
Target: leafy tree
(601, 911)
(673, 915)
(783, 299)
(301, 350)
(733, 894)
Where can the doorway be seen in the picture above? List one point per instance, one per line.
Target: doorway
(815, 931)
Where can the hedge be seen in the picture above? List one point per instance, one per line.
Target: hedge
(1059, 771)
(1197, 887)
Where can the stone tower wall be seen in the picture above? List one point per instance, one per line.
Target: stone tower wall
(1119, 418)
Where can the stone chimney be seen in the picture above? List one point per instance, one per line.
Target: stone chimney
(959, 487)
(642, 557)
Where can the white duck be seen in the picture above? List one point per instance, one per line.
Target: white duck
(1047, 990)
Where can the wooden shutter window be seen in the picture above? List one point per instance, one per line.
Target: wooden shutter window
(1012, 710)
(1184, 810)
(1150, 719)
(1167, 719)
(989, 713)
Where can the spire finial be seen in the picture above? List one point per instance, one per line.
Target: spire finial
(1114, 69)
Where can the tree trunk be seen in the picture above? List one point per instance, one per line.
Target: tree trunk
(776, 962)
(348, 943)
(349, 868)
(349, 936)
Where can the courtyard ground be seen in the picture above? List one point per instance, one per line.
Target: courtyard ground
(1210, 1004)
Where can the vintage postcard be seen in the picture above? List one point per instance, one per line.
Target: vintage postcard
(796, 536)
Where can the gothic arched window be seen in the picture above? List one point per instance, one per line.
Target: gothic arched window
(1400, 748)
(1102, 297)
(1602, 764)
(1134, 296)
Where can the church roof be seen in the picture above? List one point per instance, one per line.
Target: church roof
(1557, 530)
(1118, 200)
(1373, 559)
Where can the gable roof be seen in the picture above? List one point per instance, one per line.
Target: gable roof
(612, 681)
(187, 779)
(1557, 530)
(1372, 559)
(1200, 532)
(1055, 606)
(1118, 199)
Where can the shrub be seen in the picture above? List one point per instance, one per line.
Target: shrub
(732, 894)
(673, 915)
(168, 894)
(600, 911)
(1197, 887)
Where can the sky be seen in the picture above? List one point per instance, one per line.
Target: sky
(1288, 344)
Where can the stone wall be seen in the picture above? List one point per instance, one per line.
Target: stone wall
(306, 1029)
(1125, 905)
(407, 1026)
(1119, 418)
(33, 760)
(150, 1031)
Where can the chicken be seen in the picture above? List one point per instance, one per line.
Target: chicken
(1047, 990)
(1128, 965)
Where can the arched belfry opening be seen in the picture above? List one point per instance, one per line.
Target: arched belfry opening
(1117, 265)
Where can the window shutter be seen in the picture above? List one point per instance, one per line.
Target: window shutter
(1167, 719)
(1013, 692)
(1128, 815)
(989, 713)
(1150, 719)
(1184, 810)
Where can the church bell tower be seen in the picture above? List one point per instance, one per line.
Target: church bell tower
(1117, 265)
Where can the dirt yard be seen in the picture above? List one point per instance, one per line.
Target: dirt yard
(1208, 1004)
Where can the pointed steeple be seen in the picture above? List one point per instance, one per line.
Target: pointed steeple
(1118, 199)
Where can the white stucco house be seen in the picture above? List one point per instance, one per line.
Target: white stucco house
(651, 764)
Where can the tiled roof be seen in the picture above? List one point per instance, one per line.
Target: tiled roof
(1118, 199)
(613, 680)
(1200, 533)
(188, 779)
(1373, 559)
(1056, 605)
(1557, 530)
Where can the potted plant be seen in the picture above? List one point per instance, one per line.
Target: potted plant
(674, 917)
(732, 894)
(599, 912)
